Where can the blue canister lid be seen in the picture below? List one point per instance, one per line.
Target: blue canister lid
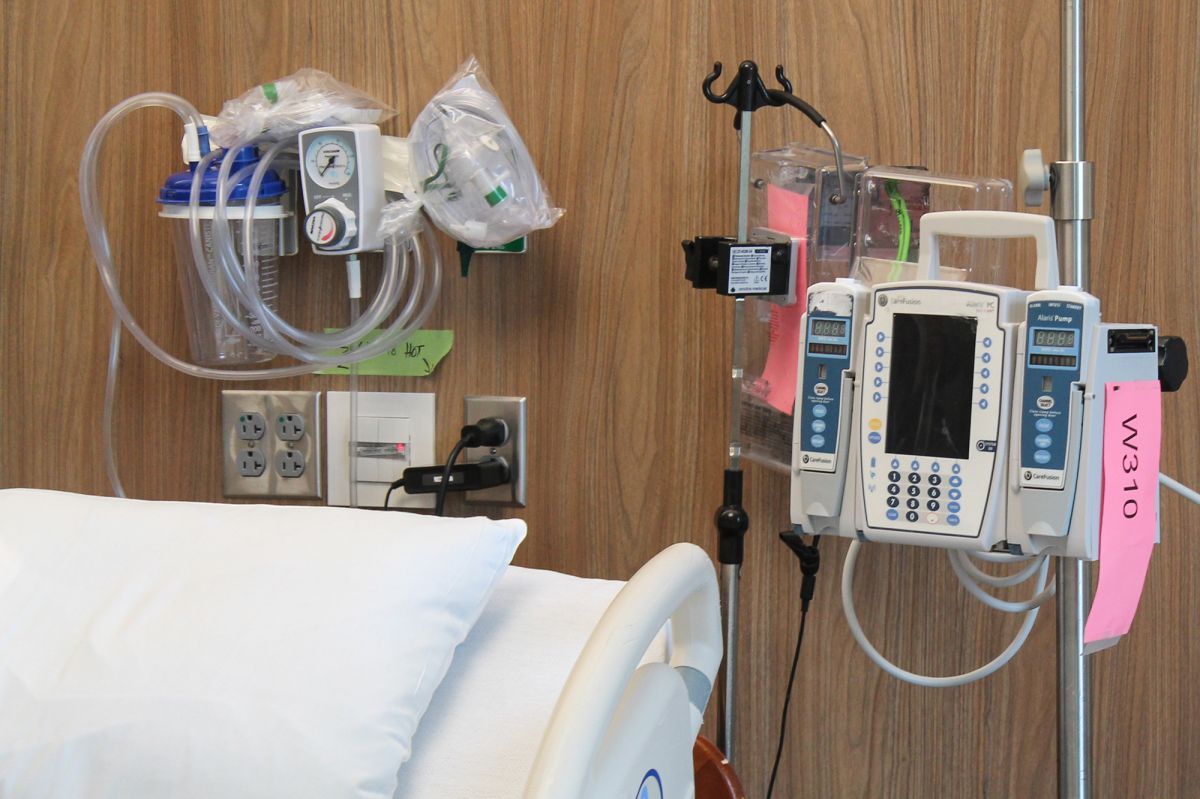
(178, 187)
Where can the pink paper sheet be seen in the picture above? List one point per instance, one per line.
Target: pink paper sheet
(787, 212)
(1128, 507)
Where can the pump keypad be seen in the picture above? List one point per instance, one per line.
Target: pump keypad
(923, 490)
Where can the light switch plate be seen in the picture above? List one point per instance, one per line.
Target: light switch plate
(512, 411)
(284, 428)
(385, 419)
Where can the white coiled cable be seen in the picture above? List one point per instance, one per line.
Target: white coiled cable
(1029, 608)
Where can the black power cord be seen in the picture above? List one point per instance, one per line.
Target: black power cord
(487, 432)
(810, 562)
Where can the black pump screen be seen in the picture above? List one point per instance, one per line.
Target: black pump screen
(932, 378)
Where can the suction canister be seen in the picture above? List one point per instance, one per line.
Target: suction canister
(214, 340)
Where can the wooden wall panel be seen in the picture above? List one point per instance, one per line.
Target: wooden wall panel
(623, 364)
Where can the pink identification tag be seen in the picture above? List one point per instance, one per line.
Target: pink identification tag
(1128, 507)
(787, 212)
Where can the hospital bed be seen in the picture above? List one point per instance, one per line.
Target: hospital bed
(564, 687)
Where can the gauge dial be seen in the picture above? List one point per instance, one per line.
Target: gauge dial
(329, 161)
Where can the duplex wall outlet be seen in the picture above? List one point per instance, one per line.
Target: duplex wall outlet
(272, 443)
(512, 411)
(395, 431)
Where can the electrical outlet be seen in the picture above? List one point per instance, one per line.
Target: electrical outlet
(290, 426)
(289, 463)
(512, 411)
(251, 462)
(272, 443)
(251, 426)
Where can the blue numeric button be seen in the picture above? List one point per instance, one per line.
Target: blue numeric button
(1041, 456)
(819, 411)
(818, 425)
(952, 520)
(1043, 425)
(1041, 441)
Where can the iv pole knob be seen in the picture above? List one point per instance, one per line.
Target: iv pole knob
(1033, 180)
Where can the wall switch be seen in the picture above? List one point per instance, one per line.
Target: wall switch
(272, 443)
(395, 431)
(512, 411)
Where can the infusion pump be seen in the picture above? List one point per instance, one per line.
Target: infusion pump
(955, 414)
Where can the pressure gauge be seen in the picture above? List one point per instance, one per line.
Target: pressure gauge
(342, 176)
(329, 162)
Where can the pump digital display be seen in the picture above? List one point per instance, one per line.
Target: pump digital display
(930, 387)
(1053, 338)
(828, 327)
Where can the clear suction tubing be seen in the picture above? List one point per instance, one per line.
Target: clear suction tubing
(227, 237)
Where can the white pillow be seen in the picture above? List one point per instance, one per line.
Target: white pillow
(165, 649)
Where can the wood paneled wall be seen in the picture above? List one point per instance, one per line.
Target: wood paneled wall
(624, 365)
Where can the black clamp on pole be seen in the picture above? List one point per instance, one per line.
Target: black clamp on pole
(732, 521)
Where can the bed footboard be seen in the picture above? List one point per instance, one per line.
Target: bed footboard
(621, 730)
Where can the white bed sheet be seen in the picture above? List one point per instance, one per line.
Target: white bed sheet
(482, 731)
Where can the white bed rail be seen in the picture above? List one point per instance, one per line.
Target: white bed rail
(618, 729)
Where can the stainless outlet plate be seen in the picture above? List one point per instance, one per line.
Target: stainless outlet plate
(512, 411)
(271, 404)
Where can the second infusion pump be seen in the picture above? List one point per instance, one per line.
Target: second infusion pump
(954, 414)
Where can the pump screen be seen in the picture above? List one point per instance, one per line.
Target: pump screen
(1053, 338)
(932, 378)
(828, 327)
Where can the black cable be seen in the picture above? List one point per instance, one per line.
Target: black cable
(441, 492)
(787, 699)
(387, 499)
(809, 564)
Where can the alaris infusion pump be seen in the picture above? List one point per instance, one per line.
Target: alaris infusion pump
(959, 415)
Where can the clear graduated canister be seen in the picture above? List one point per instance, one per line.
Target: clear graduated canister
(214, 341)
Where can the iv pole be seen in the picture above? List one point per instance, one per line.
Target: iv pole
(1071, 204)
(1070, 185)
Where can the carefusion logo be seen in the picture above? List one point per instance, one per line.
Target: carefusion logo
(651, 787)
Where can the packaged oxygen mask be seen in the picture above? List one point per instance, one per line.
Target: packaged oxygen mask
(474, 175)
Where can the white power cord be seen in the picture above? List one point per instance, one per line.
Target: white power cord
(949, 681)
(957, 559)
(1179, 488)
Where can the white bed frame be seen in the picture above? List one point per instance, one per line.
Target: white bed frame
(620, 730)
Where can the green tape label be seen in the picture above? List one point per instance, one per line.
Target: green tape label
(270, 92)
(416, 356)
